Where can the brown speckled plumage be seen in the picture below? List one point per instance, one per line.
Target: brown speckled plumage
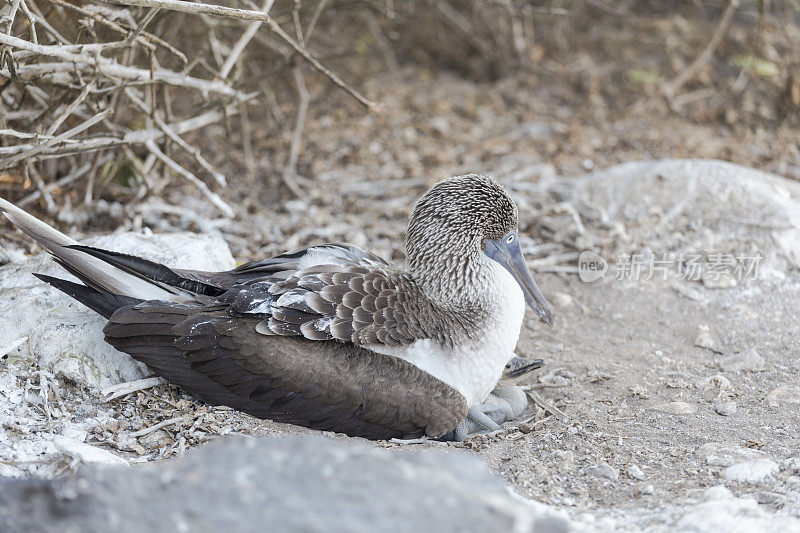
(284, 338)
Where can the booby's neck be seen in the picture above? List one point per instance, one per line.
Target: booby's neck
(449, 267)
(473, 363)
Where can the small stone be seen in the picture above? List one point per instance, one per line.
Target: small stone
(791, 465)
(635, 472)
(751, 471)
(689, 292)
(86, 453)
(676, 408)
(728, 408)
(769, 498)
(558, 377)
(746, 361)
(440, 125)
(705, 339)
(719, 492)
(717, 381)
(561, 299)
(603, 470)
(676, 380)
(721, 454)
(648, 489)
(783, 395)
(156, 439)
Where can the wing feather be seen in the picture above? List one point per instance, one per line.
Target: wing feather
(325, 385)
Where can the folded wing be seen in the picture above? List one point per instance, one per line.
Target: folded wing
(322, 385)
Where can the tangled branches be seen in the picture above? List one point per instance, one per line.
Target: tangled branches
(90, 91)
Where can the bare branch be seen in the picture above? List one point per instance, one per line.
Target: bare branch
(12, 161)
(241, 44)
(671, 88)
(290, 172)
(194, 180)
(69, 109)
(218, 176)
(246, 14)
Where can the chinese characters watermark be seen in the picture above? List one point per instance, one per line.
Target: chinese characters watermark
(713, 267)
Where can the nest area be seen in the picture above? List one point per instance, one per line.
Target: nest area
(106, 106)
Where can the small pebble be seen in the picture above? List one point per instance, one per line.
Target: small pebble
(783, 395)
(603, 470)
(746, 361)
(648, 489)
(561, 299)
(705, 339)
(792, 465)
(751, 471)
(676, 408)
(717, 381)
(635, 472)
(727, 408)
(723, 454)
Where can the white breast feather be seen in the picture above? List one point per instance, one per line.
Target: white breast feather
(473, 369)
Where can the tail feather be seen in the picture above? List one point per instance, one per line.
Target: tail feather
(92, 270)
(150, 270)
(103, 303)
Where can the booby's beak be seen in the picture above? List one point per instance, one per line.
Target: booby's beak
(508, 253)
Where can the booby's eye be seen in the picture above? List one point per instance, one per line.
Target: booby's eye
(510, 239)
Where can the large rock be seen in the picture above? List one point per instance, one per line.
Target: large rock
(687, 206)
(67, 337)
(286, 484)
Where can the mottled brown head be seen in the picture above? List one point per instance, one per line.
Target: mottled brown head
(455, 227)
(451, 220)
(471, 206)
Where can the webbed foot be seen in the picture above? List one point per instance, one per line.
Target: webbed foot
(506, 402)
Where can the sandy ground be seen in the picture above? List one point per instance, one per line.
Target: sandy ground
(627, 400)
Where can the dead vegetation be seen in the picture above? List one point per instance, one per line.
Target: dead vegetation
(126, 101)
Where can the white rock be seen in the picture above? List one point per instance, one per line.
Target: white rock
(751, 471)
(561, 299)
(635, 472)
(656, 200)
(67, 337)
(440, 125)
(705, 339)
(746, 361)
(603, 470)
(720, 510)
(792, 465)
(717, 381)
(86, 453)
(676, 408)
(726, 408)
(722, 454)
(558, 377)
(783, 395)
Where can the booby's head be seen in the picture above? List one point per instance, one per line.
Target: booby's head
(456, 223)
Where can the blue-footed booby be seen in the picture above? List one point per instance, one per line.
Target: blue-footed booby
(330, 337)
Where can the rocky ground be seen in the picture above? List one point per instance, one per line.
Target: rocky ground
(669, 400)
(666, 404)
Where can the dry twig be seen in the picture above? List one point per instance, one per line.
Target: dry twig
(671, 88)
(247, 14)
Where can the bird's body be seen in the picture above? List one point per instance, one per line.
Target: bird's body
(473, 365)
(330, 337)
